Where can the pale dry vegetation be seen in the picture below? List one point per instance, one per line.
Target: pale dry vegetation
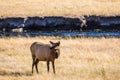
(70, 8)
(80, 59)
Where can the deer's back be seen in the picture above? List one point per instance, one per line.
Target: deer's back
(40, 50)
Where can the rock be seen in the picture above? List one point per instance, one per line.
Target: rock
(59, 23)
(110, 23)
(104, 23)
(52, 23)
(1, 24)
(34, 23)
(13, 23)
(92, 22)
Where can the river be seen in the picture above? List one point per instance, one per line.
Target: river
(62, 34)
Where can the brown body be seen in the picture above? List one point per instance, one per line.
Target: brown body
(44, 52)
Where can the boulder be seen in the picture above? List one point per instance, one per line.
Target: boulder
(1, 24)
(52, 23)
(13, 23)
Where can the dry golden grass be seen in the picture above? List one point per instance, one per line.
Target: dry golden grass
(70, 8)
(80, 59)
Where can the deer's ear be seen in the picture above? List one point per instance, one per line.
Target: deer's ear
(51, 42)
(58, 43)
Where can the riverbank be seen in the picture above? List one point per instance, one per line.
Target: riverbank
(60, 23)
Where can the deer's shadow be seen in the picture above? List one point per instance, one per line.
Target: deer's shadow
(5, 73)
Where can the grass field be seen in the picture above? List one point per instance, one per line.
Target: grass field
(72, 8)
(80, 59)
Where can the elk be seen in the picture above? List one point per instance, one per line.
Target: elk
(44, 52)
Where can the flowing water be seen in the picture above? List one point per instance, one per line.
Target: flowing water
(62, 34)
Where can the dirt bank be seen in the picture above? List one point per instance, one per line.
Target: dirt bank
(59, 23)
